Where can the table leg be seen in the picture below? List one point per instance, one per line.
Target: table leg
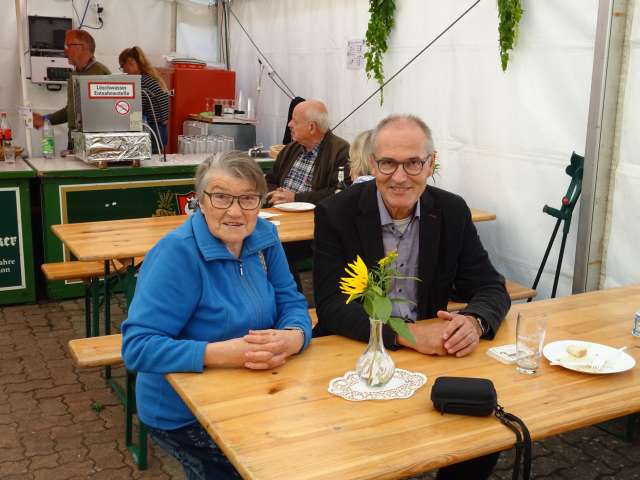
(139, 451)
(95, 307)
(107, 300)
(87, 308)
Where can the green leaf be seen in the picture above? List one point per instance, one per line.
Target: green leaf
(368, 305)
(510, 13)
(400, 327)
(381, 308)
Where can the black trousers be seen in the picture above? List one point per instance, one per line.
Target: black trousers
(475, 469)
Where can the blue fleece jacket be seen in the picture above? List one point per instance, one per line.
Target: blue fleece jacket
(191, 290)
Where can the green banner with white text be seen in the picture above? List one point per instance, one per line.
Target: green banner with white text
(11, 249)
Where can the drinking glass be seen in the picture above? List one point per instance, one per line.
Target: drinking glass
(530, 331)
(10, 154)
(229, 144)
(211, 145)
(251, 109)
(219, 145)
(209, 105)
(188, 145)
(201, 145)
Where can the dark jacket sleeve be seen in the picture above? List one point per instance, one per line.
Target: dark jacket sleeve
(478, 283)
(334, 153)
(59, 116)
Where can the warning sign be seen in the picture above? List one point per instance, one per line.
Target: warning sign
(122, 107)
(112, 90)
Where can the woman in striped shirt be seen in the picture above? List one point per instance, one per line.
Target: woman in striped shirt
(155, 95)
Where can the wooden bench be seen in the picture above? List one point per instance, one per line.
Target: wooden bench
(90, 274)
(104, 351)
(87, 272)
(514, 289)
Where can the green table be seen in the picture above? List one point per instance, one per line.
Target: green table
(16, 248)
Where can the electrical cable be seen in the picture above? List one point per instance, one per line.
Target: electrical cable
(84, 14)
(73, 4)
(407, 64)
(273, 70)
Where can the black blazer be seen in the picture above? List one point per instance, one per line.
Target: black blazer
(452, 260)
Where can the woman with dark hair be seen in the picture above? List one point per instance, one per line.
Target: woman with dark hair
(155, 95)
(214, 293)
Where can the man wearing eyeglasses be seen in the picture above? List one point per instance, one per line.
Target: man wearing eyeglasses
(79, 48)
(436, 241)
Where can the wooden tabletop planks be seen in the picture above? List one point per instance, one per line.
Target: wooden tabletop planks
(284, 423)
(113, 239)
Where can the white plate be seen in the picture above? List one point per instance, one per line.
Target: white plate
(295, 206)
(616, 361)
(267, 215)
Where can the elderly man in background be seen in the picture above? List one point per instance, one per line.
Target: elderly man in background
(436, 241)
(79, 48)
(306, 170)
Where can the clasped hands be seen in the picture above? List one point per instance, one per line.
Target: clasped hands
(280, 195)
(456, 334)
(257, 350)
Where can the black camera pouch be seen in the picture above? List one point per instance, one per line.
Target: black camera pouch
(464, 396)
(477, 397)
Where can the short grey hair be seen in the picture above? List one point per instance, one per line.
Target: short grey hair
(236, 164)
(359, 153)
(399, 118)
(317, 116)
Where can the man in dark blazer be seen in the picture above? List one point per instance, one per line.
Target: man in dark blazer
(436, 241)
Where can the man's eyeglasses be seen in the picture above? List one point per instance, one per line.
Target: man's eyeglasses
(67, 45)
(413, 166)
(224, 200)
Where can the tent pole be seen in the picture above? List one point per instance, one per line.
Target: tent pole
(599, 149)
(23, 80)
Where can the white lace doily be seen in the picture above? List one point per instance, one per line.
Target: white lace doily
(403, 385)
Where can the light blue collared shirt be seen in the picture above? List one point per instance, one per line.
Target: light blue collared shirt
(407, 243)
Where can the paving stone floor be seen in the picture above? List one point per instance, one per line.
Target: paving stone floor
(49, 430)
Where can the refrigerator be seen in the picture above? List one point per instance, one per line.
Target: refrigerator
(191, 87)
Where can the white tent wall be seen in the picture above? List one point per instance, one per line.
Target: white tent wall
(504, 139)
(622, 261)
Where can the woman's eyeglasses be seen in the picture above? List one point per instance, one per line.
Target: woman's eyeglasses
(224, 200)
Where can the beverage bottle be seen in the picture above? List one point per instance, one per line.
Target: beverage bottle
(48, 140)
(5, 129)
(341, 185)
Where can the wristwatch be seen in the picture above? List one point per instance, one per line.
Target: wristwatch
(483, 324)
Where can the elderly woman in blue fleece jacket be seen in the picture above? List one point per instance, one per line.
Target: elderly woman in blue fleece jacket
(215, 292)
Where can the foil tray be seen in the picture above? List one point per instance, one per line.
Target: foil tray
(111, 147)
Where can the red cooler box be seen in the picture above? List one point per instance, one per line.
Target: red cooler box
(191, 87)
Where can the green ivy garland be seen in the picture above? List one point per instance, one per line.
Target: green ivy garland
(380, 24)
(510, 12)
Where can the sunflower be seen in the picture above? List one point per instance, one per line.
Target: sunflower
(356, 283)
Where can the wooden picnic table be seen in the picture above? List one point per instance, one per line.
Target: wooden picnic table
(283, 423)
(115, 239)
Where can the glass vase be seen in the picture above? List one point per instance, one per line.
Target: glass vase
(375, 366)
